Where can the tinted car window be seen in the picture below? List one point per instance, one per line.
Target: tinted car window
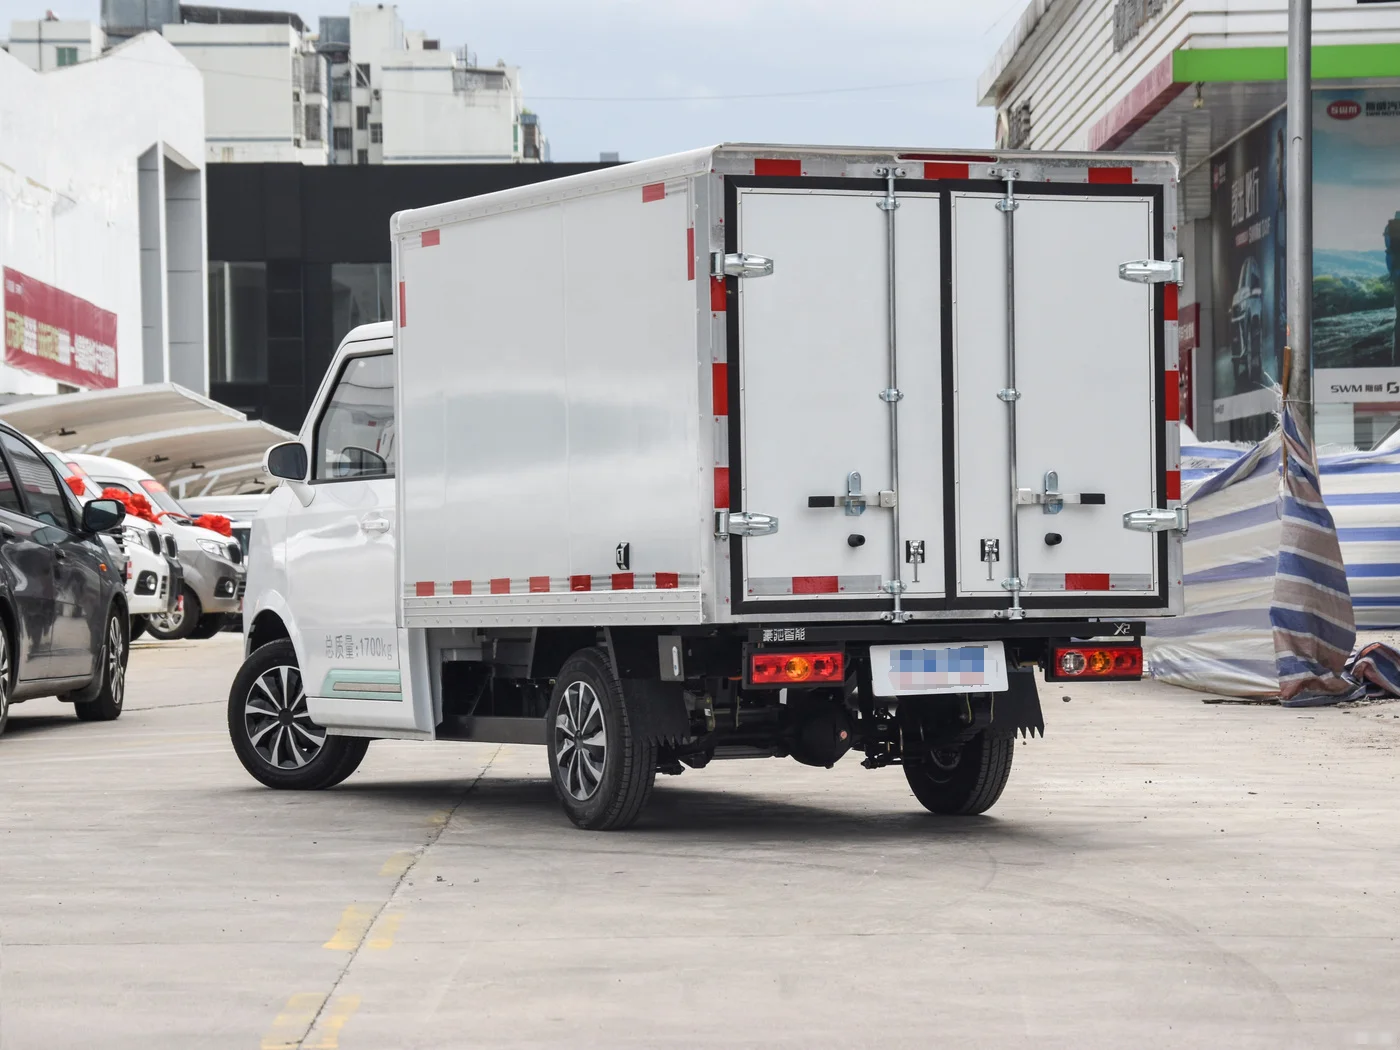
(355, 436)
(43, 493)
(9, 491)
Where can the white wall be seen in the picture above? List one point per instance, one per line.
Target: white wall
(36, 44)
(69, 212)
(427, 121)
(251, 91)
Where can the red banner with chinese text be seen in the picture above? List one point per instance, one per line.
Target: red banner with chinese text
(51, 333)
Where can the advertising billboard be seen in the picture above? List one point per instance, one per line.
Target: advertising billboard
(1356, 248)
(51, 333)
(1249, 202)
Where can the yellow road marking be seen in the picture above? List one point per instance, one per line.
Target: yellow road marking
(291, 1024)
(397, 864)
(384, 931)
(327, 1034)
(354, 924)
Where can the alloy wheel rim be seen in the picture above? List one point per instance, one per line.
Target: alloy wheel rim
(580, 741)
(4, 676)
(277, 721)
(116, 666)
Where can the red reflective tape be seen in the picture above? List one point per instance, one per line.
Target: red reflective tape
(425, 590)
(1169, 307)
(622, 581)
(1111, 176)
(690, 253)
(719, 398)
(717, 296)
(432, 238)
(1173, 484)
(667, 581)
(580, 583)
(936, 170)
(814, 585)
(539, 584)
(403, 307)
(461, 586)
(771, 166)
(653, 191)
(1172, 396)
(500, 586)
(1086, 581)
(722, 487)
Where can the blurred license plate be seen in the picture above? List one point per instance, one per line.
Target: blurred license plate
(968, 667)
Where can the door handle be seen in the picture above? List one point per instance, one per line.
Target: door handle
(374, 525)
(60, 554)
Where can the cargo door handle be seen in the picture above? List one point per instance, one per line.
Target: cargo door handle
(374, 525)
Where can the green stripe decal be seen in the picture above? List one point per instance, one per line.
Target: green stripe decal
(363, 685)
(1225, 65)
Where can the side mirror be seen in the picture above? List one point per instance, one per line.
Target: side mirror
(358, 462)
(287, 461)
(102, 515)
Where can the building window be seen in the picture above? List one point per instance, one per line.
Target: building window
(376, 133)
(340, 88)
(362, 74)
(361, 118)
(313, 123)
(342, 139)
(237, 322)
(67, 56)
(362, 156)
(360, 294)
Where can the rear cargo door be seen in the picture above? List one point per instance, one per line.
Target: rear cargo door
(814, 424)
(1088, 419)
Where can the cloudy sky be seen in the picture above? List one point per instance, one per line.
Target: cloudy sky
(646, 77)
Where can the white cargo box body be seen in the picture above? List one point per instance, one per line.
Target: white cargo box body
(605, 395)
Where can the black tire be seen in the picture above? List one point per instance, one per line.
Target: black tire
(209, 625)
(278, 749)
(7, 677)
(964, 781)
(107, 704)
(602, 786)
(138, 627)
(174, 626)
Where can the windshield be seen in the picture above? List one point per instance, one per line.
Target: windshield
(163, 499)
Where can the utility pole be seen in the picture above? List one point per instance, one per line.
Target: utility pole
(1299, 224)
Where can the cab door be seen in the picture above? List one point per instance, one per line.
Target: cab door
(341, 554)
(27, 567)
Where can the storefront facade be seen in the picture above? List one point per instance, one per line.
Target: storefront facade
(1183, 77)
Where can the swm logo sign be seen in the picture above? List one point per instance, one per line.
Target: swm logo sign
(1344, 109)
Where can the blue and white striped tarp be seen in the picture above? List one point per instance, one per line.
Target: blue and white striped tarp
(1267, 607)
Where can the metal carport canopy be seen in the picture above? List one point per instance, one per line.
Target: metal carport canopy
(78, 422)
(194, 450)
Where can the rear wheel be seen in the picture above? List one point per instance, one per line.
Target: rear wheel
(602, 772)
(5, 677)
(964, 780)
(138, 627)
(107, 704)
(181, 621)
(272, 731)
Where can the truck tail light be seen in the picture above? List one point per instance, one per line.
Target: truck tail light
(786, 668)
(1097, 661)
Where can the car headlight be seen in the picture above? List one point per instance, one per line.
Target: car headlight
(213, 547)
(131, 534)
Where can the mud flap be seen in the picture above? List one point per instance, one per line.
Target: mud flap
(1018, 709)
(656, 710)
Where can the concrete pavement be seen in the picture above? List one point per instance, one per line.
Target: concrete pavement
(1160, 872)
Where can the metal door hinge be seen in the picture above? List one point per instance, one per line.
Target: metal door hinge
(744, 523)
(1158, 519)
(1154, 271)
(738, 264)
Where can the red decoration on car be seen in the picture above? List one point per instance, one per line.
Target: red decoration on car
(76, 485)
(214, 523)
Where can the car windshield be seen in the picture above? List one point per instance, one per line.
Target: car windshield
(163, 499)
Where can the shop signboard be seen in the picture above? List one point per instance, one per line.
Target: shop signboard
(51, 333)
(1356, 248)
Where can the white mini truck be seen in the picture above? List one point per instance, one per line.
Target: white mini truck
(749, 451)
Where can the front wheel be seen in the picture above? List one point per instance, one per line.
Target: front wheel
(107, 704)
(602, 772)
(138, 627)
(209, 625)
(181, 621)
(5, 677)
(272, 731)
(963, 781)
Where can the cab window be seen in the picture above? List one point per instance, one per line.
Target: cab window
(43, 493)
(355, 434)
(9, 491)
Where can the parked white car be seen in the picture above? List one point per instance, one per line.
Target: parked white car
(214, 577)
(240, 511)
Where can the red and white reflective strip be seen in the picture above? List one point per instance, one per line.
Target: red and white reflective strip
(1089, 581)
(767, 585)
(503, 585)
